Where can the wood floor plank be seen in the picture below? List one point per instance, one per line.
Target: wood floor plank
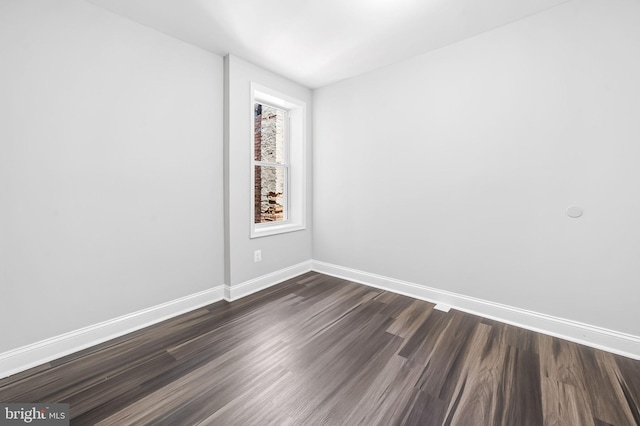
(322, 377)
(628, 378)
(408, 321)
(477, 394)
(564, 396)
(318, 350)
(378, 406)
(348, 396)
(521, 398)
(443, 367)
(564, 404)
(603, 386)
(422, 409)
(253, 407)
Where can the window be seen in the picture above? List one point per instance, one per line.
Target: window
(271, 165)
(277, 163)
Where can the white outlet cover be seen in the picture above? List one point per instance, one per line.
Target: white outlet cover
(574, 212)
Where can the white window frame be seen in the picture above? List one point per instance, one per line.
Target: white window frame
(294, 162)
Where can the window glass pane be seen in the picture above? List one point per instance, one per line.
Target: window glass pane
(269, 194)
(268, 134)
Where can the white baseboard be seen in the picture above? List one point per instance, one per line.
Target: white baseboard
(38, 353)
(29, 356)
(600, 338)
(20, 359)
(252, 286)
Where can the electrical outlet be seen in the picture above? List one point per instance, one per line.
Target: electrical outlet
(257, 255)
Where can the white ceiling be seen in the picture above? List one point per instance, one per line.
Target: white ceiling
(317, 42)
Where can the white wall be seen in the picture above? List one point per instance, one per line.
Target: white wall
(278, 251)
(454, 169)
(110, 168)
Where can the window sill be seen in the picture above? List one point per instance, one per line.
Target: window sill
(264, 231)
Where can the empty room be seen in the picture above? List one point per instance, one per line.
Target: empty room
(298, 212)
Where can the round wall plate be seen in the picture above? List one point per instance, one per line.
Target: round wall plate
(574, 212)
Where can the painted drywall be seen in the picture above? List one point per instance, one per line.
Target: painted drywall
(278, 251)
(110, 168)
(454, 169)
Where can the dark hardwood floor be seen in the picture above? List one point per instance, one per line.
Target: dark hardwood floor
(320, 350)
